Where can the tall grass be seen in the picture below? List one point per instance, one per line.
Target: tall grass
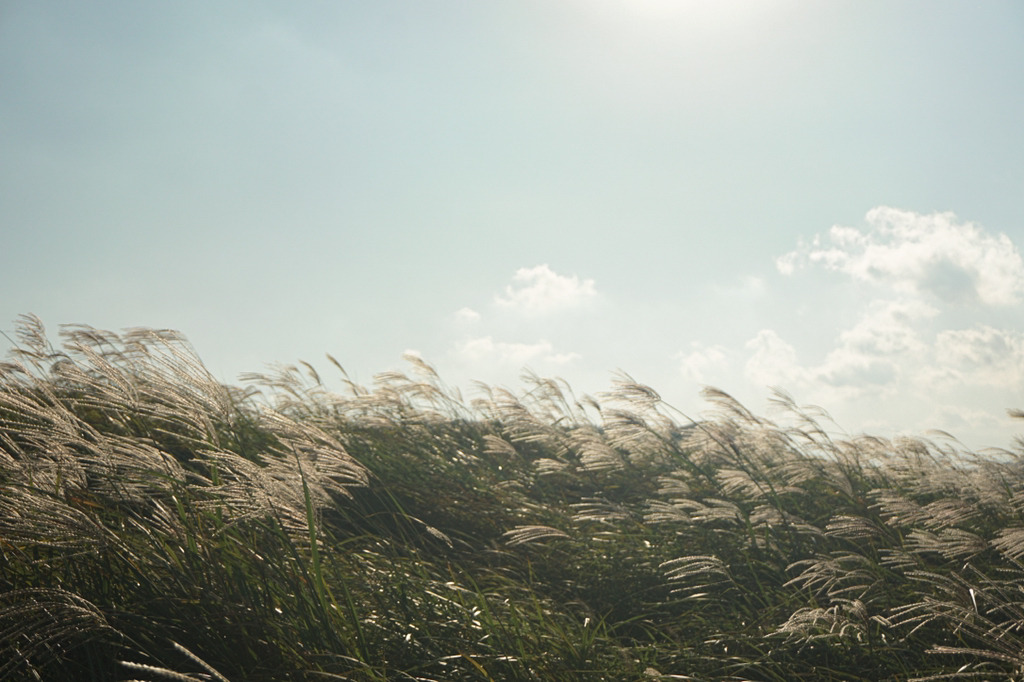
(156, 524)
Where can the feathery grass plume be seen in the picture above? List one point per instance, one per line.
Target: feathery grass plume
(105, 478)
(851, 527)
(32, 520)
(524, 534)
(707, 569)
(601, 511)
(43, 629)
(554, 398)
(643, 424)
(523, 425)
(950, 543)
(845, 619)
(287, 531)
(165, 673)
(159, 672)
(546, 466)
(983, 623)
(842, 576)
(1010, 541)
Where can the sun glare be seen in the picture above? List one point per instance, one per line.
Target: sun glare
(696, 15)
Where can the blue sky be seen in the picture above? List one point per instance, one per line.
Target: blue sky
(824, 197)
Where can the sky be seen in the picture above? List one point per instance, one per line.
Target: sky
(821, 197)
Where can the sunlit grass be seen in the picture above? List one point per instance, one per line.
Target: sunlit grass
(156, 524)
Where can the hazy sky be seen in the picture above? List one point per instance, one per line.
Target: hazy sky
(823, 196)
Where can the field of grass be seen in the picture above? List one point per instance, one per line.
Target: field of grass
(158, 525)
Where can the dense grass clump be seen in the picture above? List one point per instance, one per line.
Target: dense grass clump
(158, 525)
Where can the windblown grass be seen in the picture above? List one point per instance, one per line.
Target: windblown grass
(158, 525)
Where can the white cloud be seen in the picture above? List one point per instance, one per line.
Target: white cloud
(562, 358)
(701, 363)
(533, 293)
(466, 315)
(887, 356)
(773, 362)
(887, 328)
(883, 346)
(940, 340)
(980, 356)
(959, 418)
(486, 349)
(856, 374)
(540, 290)
(876, 351)
(931, 256)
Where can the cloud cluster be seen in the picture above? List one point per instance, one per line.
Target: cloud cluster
(772, 361)
(931, 275)
(518, 355)
(931, 256)
(539, 290)
(982, 355)
(526, 304)
(700, 363)
(884, 345)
